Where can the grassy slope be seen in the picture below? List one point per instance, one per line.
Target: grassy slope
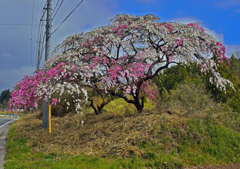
(153, 139)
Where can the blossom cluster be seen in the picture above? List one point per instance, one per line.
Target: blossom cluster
(46, 82)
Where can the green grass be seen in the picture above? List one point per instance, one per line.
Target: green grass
(194, 142)
(186, 133)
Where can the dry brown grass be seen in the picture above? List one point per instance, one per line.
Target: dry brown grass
(102, 135)
(105, 134)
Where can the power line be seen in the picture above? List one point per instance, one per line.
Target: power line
(43, 45)
(56, 11)
(43, 8)
(55, 6)
(43, 41)
(39, 41)
(40, 31)
(18, 24)
(66, 18)
(32, 30)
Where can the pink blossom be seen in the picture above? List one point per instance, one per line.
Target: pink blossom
(54, 102)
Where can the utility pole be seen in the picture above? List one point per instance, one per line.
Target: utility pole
(45, 123)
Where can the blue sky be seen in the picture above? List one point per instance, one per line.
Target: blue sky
(220, 18)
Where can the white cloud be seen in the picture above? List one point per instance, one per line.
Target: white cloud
(226, 4)
(219, 37)
(231, 49)
(188, 20)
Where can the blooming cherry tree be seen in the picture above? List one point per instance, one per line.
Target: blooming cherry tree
(132, 50)
(121, 59)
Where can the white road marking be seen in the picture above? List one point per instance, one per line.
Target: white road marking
(6, 123)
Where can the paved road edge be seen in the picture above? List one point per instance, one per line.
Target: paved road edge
(3, 134)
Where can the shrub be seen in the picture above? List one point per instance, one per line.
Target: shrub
(189, 97)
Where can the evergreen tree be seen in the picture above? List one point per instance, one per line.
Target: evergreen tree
(171, 78)
(5, 97)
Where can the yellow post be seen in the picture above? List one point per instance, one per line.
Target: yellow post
(50, 118)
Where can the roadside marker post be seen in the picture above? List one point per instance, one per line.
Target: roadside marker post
(50, 118)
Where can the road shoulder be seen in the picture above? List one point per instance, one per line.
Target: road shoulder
(3, 133)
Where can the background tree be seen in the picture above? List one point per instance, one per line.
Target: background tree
(170, 78)
(177, 75)
(235, 65)
(5, 97)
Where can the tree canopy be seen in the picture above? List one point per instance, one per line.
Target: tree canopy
(121, 59)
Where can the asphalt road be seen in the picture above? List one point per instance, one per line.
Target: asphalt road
(4, 127)
(4, 120)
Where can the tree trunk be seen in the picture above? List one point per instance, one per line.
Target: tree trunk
(137, 103)
(99, 108)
